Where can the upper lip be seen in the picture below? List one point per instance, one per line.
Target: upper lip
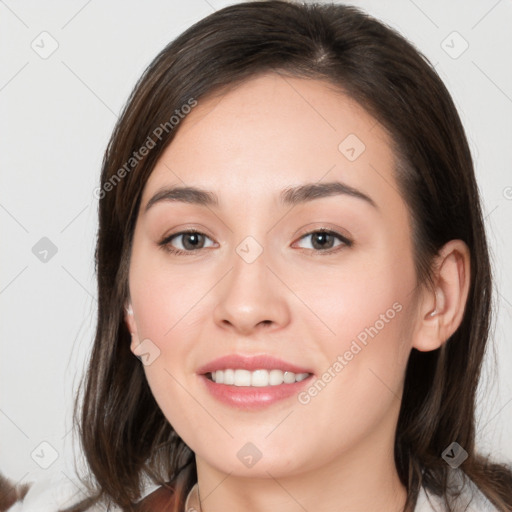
(251, 363)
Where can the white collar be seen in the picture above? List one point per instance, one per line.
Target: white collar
(470, 500)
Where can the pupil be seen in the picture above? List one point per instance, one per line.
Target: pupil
(320, 237)
(191, 235)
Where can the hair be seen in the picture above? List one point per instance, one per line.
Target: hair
(11, 492)
(124, 435)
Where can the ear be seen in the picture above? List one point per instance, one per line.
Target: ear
(131, 325)
(442, 308)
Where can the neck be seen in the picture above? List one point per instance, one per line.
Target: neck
(357, 482)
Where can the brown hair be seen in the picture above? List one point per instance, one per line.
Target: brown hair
(10, 493)
(125, 436)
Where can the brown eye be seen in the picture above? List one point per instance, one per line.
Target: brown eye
(323, 240)
(190, 241)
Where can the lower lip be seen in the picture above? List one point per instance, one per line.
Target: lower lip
(249, 397)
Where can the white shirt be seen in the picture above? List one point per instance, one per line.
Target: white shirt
(472, 500)
(51, 495)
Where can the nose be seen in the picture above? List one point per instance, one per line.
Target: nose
(252, 297)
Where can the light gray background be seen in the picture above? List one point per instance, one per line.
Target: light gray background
(56, 117)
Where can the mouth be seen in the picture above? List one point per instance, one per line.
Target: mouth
(253, 382)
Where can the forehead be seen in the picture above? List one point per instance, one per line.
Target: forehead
(274, 131)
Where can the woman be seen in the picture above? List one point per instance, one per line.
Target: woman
(293, 278)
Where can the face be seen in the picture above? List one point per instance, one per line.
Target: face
(300, 303)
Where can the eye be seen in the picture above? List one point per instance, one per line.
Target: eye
(323, 240)
(191, 241)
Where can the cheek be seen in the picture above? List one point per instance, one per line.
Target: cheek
(366, 300)
(366, 315)
(162, 295)
(364, 363)
(167, 306)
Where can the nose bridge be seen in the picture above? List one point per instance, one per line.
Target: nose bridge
(251, 294)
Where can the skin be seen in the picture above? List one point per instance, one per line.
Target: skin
(294, 301)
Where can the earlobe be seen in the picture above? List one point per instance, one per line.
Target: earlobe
(129, 319)
(443, 308)
(132, 328)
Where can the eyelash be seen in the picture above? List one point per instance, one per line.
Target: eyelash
(165, 243)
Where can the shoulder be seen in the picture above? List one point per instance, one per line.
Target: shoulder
(160, 500)
(466, 497)
(49, 495)
(56, 493)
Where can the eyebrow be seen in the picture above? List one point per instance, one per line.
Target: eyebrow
(289, 196)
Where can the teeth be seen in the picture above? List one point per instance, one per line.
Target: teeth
(257, 378)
